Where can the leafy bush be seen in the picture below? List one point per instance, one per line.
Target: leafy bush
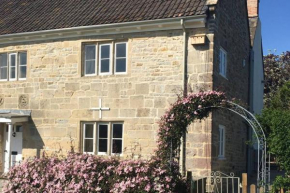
(276, 122)
(281, 183)
(277, 73)
(88, 173)
(275, 119)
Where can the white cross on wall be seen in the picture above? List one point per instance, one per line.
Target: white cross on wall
(100, 108)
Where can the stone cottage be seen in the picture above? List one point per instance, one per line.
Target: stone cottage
(98, 74)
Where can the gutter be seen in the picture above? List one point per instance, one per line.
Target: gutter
(104, 29)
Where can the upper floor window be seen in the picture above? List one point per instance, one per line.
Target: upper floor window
(103, 138)
(105, 59)
(223, 63)
(13, 66)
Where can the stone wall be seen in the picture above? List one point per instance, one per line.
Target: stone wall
(200, 77)
(231, 32)
(60, 98)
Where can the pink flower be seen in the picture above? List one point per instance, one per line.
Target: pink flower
(147, 187)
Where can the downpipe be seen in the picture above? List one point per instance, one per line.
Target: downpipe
(183, 141)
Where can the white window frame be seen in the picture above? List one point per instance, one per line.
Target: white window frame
(7, 68)
(16, 64)
(223, 62)
(222, 143)
(111, 149)
(108, 138)
(110, 59)
(19, 65)
(115, 58)
(94, 137)
(96, 59)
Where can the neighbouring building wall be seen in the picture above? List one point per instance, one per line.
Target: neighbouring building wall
(257, 68)
(229, 24)
(257, 77)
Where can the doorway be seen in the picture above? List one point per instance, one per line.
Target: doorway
(16, 146)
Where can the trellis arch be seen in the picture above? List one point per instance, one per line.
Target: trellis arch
(263, 174)
(198, 106)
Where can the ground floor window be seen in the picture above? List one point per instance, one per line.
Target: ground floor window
(102, 138)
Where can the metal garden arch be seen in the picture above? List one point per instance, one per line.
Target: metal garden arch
(263, 173)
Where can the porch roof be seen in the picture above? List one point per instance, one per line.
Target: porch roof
(14, 116)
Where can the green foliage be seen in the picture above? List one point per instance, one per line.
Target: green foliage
(277, 72)
(275, 119)
(277, 124)
(282, 98)
(281, 182)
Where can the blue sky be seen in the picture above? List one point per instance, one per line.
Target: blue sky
(275, 17)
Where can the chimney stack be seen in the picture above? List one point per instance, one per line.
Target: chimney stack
(253, 8)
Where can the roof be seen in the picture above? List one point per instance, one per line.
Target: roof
(20, 16)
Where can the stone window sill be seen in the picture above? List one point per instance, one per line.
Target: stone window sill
(221, 158)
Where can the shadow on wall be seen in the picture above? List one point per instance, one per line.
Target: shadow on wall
(32, 141)
(229, 148)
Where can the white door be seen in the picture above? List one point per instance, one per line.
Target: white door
(16, 146)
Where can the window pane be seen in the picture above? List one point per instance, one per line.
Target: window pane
(3, 60)
(12, 72)
(23, 58)
(121, 50)
(3, 66)
(19, 128)
(117, 130)
(103, 145)
(22, 72)
(121, 65)
(90, 52)
(103, 131)
(12, 60)
(89, 145)
(3, 73)
(90, 67)
(117, 146)
(105, 51)
(105, 66)
(89, 132)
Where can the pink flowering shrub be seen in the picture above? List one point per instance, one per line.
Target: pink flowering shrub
(89, 173)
